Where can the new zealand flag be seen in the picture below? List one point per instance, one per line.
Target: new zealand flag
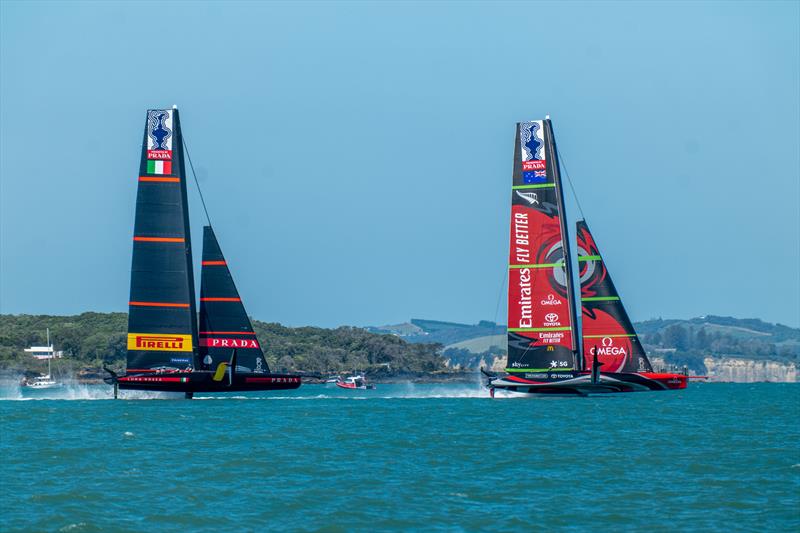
(534, 176)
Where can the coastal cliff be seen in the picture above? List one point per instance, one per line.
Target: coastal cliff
(737, 370)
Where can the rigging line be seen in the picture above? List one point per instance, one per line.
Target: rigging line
(199, 191)
(569, 180)
(499, 297)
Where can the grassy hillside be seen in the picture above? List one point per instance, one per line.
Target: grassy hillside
(679, 342)
(489, 343)
(447, 333)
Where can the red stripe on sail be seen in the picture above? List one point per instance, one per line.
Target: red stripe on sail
(166, 180)
(157, 304)
(214, 263)
(227, 333)
(158, 239)
(220, 299)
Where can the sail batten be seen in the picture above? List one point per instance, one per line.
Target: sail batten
(607, 329)
(541, 323)
(162, 328)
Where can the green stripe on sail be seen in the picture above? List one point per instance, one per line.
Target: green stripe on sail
(589, 258)
(601, 299)
(534, 186)
(151, 167)
(614, 335)
(554, 328)
(539, 369)
(537, 265)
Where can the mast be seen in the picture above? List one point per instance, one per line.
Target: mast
(190, 263)
(565, 242)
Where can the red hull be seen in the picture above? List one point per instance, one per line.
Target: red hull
(670, 381)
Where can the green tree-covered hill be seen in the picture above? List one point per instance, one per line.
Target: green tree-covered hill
(90, 339)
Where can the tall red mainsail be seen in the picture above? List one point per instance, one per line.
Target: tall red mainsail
(541, 314)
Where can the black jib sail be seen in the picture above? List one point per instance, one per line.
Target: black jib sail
(541, 311)
(162, 326)
(224, 324)
(607, 330)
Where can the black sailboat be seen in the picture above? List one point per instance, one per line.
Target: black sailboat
(163, 349)
(544, 355)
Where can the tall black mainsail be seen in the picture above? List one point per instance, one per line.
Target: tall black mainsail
(224, 324)
(162, 329)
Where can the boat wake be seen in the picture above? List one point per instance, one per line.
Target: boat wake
(384, 391)
(10, 390)
(71, 389)
(460, 390)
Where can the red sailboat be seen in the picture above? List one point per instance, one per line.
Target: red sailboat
(546, 355)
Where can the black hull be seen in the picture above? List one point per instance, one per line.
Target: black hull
(582, 384)
(201, 381)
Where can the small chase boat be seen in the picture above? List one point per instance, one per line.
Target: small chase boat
(355, 382)
(544, 355)
(167, 350)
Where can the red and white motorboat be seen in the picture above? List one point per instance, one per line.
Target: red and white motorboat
(355, 382)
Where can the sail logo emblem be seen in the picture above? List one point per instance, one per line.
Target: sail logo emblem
(551, 319)
(228, 343)
(159, 343)
(159, 134)
(607, 348)
(531, 136)
(551, 300)
(534, 165)
(529, 197)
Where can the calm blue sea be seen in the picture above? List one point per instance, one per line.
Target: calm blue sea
(716, 457)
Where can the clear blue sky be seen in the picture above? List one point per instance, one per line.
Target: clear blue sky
(356, 157)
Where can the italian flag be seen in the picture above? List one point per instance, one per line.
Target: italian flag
(159, 167)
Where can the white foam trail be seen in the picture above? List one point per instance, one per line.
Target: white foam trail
(73, 390)
(444, 390)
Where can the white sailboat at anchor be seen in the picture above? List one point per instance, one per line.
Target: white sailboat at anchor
(43, 381)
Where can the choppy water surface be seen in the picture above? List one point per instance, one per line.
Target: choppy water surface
(713, 457)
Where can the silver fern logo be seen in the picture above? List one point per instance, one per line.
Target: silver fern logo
(529, 197)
